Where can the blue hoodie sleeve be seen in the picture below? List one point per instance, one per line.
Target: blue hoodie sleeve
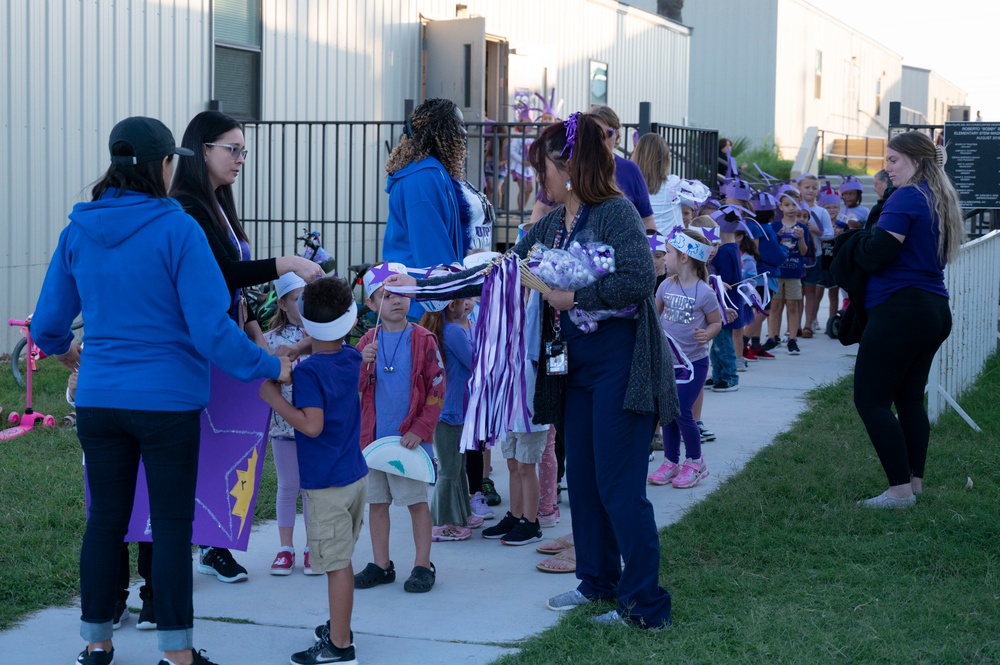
(58, 304)
(204, 301)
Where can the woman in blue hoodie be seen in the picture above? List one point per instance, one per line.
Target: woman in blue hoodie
(132, 261)
(435, 216)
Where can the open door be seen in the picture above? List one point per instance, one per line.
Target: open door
(455, 64)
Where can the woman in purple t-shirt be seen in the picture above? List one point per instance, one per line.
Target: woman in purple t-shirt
(920, 229)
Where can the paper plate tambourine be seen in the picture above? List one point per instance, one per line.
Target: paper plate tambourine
(386, 454)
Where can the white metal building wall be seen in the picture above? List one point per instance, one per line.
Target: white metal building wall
(733, 67)
(73, 70)
(852, 66)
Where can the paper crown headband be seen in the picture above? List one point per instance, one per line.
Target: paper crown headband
(730, 219)
(549, 105)
(736, 188)
(286, 283)
(763, 201)
(685, 244)
(657, 242)
(378, 273)
(692, 193)
(828, 196)
(851, 184)
(330, 331)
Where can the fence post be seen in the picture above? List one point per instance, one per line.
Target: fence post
(407, 109)
(645, 113)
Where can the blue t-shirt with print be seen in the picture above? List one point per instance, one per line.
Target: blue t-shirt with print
(908, 213)
(393, 370)
(329, 381)
(793, 267)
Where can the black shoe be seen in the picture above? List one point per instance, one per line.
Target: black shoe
(323, 631)
(524, 532)
(199, 659)
(96, 657)
(706, 434)
(147, 616)
(324, 652)
(421, 579)
(725, 387)
(373, 575)
(490, 492)
(771, 343)
(501, 528)
(219, 561)
(793, 347)
(709, 382)
(121, 614)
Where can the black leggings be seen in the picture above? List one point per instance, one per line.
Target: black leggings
(894, 359)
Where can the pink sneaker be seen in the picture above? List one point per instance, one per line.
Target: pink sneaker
(450, 532)
(667, 471)
(307, 567)
(474, 521)
(550, 520)
(283, 563)
(691, 473)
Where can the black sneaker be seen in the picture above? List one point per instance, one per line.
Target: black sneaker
(96, 657)
(199, 659)
(219, 561)
(147, 616)
(373, 575)
(793, 347)
(490, 492)
(121, 612)
(323, 631)
(524, 532)
(706, 434)
(324, 652)
(501, 528)
(771, 343)
(709, 382)
(725, 387)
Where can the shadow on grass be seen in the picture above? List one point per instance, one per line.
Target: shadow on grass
(779, 565)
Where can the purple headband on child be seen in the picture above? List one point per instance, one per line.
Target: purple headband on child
(828, 196)
(570, 127)
(730, 219)
(548, 105)
(763, 201)
(851, 184)
(735, 188)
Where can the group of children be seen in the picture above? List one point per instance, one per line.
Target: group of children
(729, 267)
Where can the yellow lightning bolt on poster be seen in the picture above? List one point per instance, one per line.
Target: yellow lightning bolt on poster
(243, 489)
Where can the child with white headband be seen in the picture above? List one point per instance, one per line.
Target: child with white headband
(331, 466)
(689, 315)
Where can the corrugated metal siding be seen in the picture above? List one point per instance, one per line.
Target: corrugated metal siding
(852, 65)
(74, 69)
(733, 65)
(915, 83)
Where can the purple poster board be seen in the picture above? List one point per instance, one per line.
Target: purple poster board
(231, 458)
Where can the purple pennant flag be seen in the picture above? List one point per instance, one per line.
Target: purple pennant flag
(234, 430)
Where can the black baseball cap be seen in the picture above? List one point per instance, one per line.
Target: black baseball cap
(149, 139)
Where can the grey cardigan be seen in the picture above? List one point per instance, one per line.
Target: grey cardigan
(651, 388)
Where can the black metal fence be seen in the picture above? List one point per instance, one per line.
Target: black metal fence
(330, 177)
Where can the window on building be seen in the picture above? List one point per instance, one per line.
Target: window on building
(237, 25)
(819, 75)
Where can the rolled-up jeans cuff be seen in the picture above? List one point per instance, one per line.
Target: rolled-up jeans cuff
(96, 632)
(175, 640)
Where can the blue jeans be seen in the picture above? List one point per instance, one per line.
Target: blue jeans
(723, 357)
(113, 441)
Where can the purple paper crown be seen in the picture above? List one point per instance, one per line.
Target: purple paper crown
(804, 176)
(767, 177)
(570, 127)
(764, 201)
(783, 188)
(735, 188)
(828, 196)
(730, 219)
(548, 105)
(523, 111)
(657, 242)
(851, 184)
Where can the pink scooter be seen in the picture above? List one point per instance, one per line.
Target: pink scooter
(25, 422)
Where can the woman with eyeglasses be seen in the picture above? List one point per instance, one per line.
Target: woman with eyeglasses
(203, 184)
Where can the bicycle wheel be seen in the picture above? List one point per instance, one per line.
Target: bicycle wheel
(15, 361)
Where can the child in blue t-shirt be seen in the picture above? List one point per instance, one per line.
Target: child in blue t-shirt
(327, 422)
(792, 235)
(727, 265)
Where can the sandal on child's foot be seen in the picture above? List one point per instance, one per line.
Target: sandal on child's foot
(373, 575)
(421, 579)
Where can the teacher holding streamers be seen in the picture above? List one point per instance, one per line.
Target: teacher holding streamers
(606, 384)
(155, 304)
(920, 229)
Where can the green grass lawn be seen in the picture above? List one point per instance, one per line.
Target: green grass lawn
(780, 566)
(777, 566)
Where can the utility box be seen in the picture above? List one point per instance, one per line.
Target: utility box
(959, 114)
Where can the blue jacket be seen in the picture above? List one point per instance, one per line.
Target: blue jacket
(154, 307)
(424, 228)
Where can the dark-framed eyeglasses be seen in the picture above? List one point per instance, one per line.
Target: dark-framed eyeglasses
(235, 150)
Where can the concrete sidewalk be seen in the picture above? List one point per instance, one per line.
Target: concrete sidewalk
(486, 594)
